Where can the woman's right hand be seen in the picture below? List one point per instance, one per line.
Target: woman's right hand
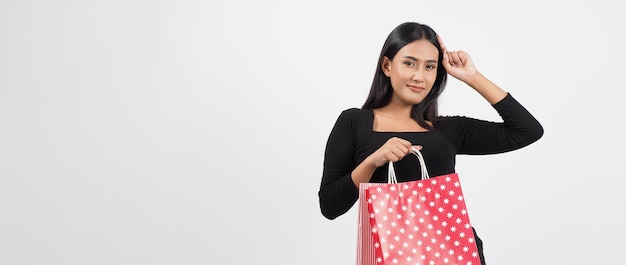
(392, 151)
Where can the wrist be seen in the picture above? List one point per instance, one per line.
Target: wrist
(475, 80)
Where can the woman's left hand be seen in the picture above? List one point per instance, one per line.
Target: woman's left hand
(458, 64)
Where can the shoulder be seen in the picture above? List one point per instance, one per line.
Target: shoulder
(355, 114)
(455, 123)
(355, 118)
(445, 121)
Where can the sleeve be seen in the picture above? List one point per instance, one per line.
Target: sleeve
(337, 192)
(518, 129)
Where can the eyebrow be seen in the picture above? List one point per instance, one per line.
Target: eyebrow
(415, 59)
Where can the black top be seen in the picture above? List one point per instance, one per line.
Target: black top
(352, 139)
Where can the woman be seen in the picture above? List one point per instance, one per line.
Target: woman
(400, 113)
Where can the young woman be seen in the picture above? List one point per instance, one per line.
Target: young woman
(401, 113)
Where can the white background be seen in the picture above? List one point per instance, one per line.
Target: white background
(192, 132)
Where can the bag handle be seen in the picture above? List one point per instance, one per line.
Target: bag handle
(391, 176)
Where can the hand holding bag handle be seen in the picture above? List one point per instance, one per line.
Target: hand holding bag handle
(365, 243)
(391, 176)
(424, 221)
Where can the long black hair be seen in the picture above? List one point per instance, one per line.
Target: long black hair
(381, 90)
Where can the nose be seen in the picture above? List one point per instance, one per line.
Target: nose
(418, 75)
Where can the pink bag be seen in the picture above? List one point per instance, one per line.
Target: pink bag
(417, 222)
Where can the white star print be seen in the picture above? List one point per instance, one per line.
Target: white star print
(411, 211)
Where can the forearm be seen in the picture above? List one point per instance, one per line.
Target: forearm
(337, 198)
(487, 89)
(363, 172)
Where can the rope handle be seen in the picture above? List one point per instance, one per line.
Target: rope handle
(391, 176)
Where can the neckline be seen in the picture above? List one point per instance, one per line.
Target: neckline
(371, 126)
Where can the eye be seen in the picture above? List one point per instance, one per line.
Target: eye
(409, 64)
(431, 66)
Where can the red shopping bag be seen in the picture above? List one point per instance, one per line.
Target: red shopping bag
(366, 253)
(419, 222)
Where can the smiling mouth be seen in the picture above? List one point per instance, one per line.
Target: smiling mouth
(416, 88)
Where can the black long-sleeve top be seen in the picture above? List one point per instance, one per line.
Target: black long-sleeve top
(352, 139)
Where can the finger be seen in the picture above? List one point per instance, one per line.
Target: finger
(443, 46)
(454, 57)
(403, 142)
(399, 150)
(464, 57)
(416, 147)
(395, 157)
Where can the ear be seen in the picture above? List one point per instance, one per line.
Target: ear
(386, 66)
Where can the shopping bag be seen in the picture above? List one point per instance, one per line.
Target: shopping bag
(421, 222)
(365, 241)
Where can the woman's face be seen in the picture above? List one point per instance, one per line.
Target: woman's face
(412, 71)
